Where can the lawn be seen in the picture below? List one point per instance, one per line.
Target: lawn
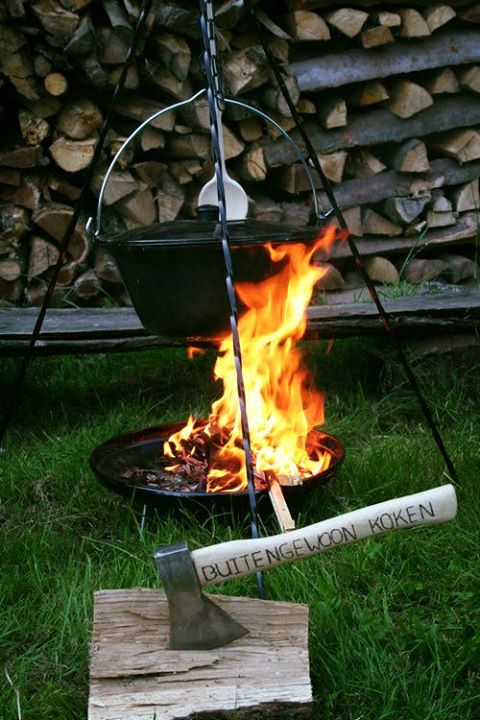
(394, 626)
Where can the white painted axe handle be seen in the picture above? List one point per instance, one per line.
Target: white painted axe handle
(217, 563)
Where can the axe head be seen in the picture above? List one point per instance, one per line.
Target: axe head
(196, 622)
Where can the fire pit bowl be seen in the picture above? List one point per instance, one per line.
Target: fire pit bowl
(139, 449)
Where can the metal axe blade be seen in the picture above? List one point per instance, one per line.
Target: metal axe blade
(196, 622)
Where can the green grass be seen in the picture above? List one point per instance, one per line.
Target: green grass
(394, 626)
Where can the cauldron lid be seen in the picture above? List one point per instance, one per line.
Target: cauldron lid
(202, 231)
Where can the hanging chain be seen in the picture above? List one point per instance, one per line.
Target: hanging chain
(384, 316)
(207, 27)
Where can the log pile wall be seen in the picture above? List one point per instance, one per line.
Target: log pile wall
(389, 95)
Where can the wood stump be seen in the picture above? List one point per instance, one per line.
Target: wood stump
(135, 676)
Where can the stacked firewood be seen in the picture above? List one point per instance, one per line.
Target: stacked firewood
(389, 95)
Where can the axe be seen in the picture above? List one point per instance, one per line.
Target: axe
(196, 622)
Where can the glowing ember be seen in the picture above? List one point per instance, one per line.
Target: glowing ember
(282, 404)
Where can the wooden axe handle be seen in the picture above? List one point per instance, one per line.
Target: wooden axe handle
(225, 561)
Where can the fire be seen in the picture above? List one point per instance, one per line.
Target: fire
(282, 403)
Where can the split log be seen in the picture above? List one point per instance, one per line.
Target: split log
(19, 70)
(10, 176)
(305, 25)
(14, 226)
(140, 108)
(252, 165)
(408, 98)
(273, 97)
(438, 15)
(43, 255)
(420, 270)
(72, 155)
(186, 170)
(152, 139)
(197, 114)
(362, 164)
(150, 172)
(86, 287)
(23, 157)
(381, 270)
(54, 18)
(353, 218)
(440, 214)
(245, 70)
(336, 69)
(463, 145)
(11, 292)
(413, 24)
(277, 630)
(34, 129)
(162, 78)
(376, 37)
(375, 224)
(295, 213)
(466, 197)
(306, 107)
(347, 21)
(120, 184)
(79, 119)
(470, 14)
(411, 156)
(114, 47)
(28, 194)
(380, 126)
(169, 197)
(331, 278)
(250, 129)
(68, 272)
(267, 210)
(106, 267)
(332, 164)
(11, 40)
(45, 107)
(469, 78)
(54, 219)
(233, 147)
(458, 268)
(387, 18)
(443, 81)
(137, 209)
(405, 210)
(83, 40)
(189, 146)
(371, 93)
(332, 113)
(293, 180)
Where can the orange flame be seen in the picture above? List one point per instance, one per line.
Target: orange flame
(282, 404)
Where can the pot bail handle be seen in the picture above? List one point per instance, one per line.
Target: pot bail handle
(93, 225)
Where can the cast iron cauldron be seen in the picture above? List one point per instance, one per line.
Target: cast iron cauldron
(140, 448)
(175, 271)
